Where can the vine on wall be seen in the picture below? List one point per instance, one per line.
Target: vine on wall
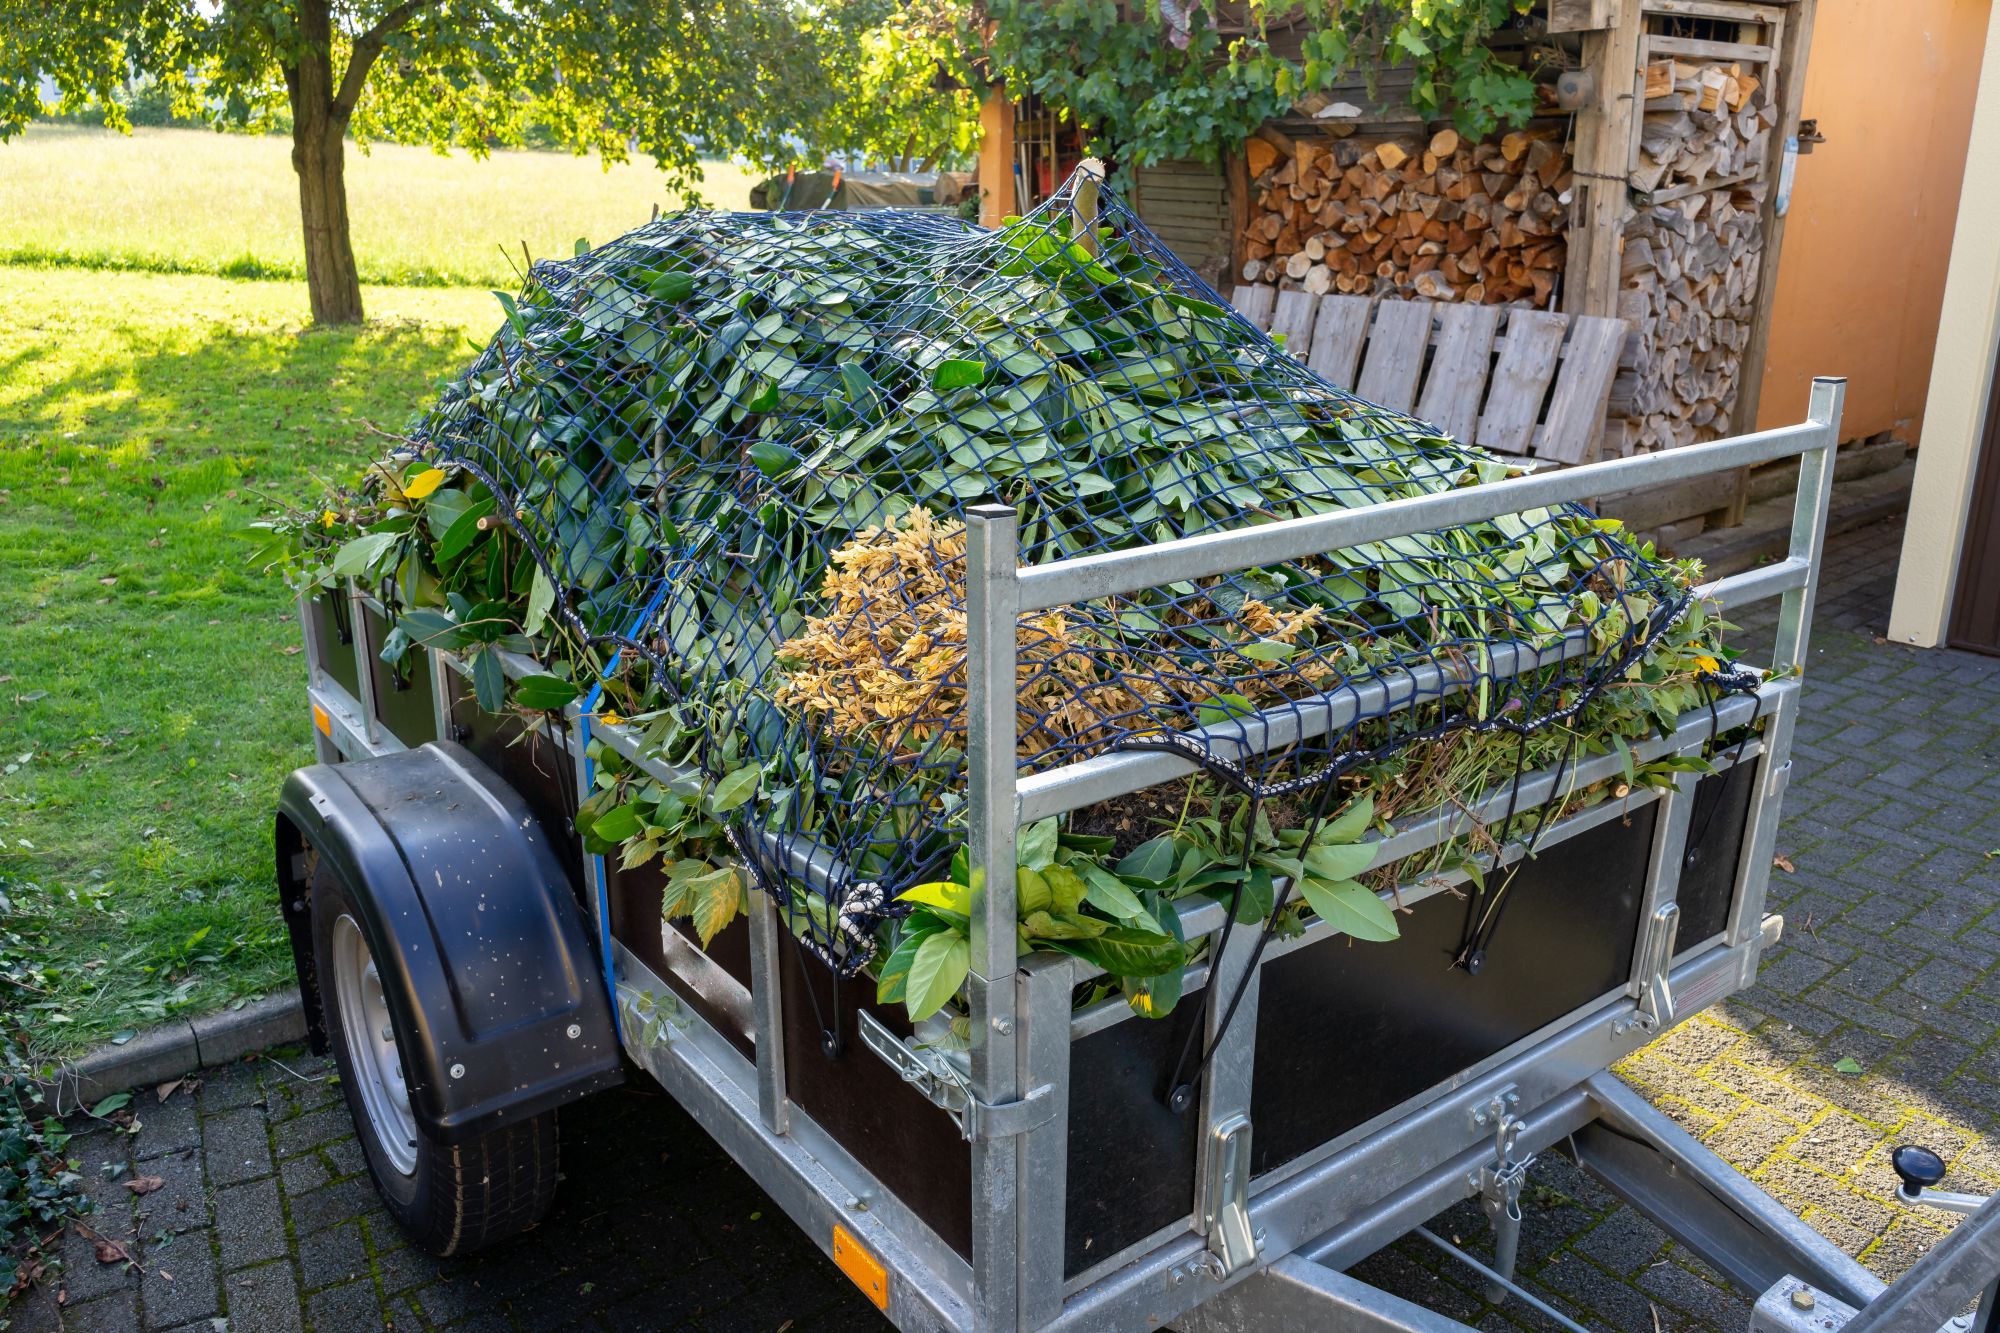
(1157, 80)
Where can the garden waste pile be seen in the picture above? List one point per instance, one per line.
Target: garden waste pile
(713, 477)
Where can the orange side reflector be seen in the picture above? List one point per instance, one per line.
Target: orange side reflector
(323, 722)
(862, 1268)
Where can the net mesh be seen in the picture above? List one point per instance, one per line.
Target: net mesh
(741, 447)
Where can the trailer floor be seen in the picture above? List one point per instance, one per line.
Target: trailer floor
(1891, 960)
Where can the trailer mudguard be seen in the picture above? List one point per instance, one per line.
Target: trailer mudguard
(484, 956)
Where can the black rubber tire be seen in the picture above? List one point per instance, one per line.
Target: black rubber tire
(463, 1196)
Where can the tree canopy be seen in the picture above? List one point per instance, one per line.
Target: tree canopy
(774, 81)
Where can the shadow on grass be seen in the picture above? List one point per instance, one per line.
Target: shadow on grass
(151, 694)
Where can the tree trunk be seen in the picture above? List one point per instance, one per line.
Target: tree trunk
(319, 129)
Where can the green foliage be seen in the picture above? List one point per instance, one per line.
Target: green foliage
(1149, 90)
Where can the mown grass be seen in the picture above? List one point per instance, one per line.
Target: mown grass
(151, 692)
(192, 201)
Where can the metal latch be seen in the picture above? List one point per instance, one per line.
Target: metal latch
(930, 1073)
(1499, 1184)
(1656, 994)
(1225, 1208)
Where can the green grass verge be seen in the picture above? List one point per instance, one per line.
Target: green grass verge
(151, 690)
(192, 201)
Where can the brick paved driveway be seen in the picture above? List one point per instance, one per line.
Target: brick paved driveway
(266, 1221)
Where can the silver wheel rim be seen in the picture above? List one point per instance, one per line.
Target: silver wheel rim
(371, 1045)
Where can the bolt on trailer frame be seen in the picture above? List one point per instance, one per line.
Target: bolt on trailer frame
(1254, 1240)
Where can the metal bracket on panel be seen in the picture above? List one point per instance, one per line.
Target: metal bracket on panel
(1225, 1215)
(930, 1073)
(1656, 996)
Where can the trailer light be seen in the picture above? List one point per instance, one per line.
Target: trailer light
(863, 1269)
(324, 721)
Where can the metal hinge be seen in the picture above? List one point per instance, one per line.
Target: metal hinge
(930, 1073)
(1656, 994)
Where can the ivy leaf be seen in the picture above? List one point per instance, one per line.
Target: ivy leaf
(1350, 908)
(939, 968)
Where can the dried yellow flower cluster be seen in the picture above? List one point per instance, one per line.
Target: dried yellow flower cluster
(887, 660)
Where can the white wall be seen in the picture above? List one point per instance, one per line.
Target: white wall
(1960, 381)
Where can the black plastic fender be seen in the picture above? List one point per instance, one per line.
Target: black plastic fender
(483, 951)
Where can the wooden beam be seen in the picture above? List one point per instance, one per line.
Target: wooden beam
(996, 157)
(1579, 15)
(1236, 198)
(1795, 43)
(1605, 136)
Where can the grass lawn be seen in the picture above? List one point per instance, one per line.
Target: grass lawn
(151, 689)
(199, 202)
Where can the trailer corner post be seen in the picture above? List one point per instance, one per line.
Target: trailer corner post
(1809, 510)
(992, 602)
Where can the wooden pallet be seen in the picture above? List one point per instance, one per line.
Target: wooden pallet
(1526, 382)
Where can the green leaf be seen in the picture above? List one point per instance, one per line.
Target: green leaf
(895, 974)
(1042, 926)
(462, 530)
(1151, 862)
(943, 895)
(1035, 845)
(1112, 896)
(544, 693)
(117, 1101)
(958, 375)
(1336, 861)
(1847, 1064)
(617, 824)
(1268, 650)
(735, 788)
(1224, 708)
(489, 682)
(1031, 892)
(353, 559)
(671, 287)
(718, 900)
(936, 972)
(1350, 908)
(1066, 889)
(1350, 823)
(1129, 951)
(541, 600)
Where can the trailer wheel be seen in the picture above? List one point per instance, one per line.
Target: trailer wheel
(452, 1198)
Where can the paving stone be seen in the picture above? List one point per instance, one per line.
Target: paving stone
(253, 1227)
(237, 1146)
(351, 1306)
(265, 1299)
(229, 1088)
(332, 1256)
(115, 1313)
(181, 1202)
(178, 1284)
(169, 1126)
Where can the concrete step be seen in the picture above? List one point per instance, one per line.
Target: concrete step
(1766, 530)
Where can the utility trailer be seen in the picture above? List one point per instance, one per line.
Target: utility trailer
(473, 970)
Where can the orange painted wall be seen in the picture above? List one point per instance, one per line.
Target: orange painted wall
(1862, 275)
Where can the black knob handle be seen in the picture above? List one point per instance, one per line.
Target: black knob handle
(1920, 1168)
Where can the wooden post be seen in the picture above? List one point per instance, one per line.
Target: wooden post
(1791, 71)
(1603, 155)
(996, 157)
(1236, 198)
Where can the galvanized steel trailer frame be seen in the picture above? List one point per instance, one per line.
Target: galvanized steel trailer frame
(1254, 1252)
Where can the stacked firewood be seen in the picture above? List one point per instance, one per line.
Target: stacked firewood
(1437, 218)
(1692, 250)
